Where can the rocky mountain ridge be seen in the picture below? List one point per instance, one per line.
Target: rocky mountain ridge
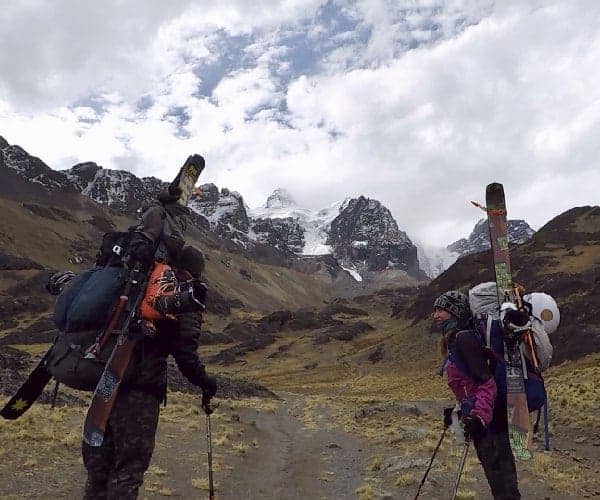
(435, 260)
(360, 233)
(119, 189)
(365, 237)
(479, 239)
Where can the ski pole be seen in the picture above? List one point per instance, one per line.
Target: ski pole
(211, 488)
(536, 426)
(546, 431)
(431, 462)
(460, 467)
(55, 393)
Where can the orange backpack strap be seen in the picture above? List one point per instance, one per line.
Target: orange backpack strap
(162, 282)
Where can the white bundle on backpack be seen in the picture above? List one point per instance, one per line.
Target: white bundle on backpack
(545, 309)
(545, 318)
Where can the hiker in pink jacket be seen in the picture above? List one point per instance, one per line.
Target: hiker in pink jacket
(471, 379)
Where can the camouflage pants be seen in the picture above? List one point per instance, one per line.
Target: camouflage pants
(116, 469)
(498, 463)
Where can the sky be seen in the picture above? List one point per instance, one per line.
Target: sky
(418, 104)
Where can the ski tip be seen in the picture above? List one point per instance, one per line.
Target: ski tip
(494, 187)
(9, 415)
(479, 205)
(15, 408)
(195, 161)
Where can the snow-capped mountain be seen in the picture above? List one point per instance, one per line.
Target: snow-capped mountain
(366, 235)
(222, 207)
(119, 189)
(301, 230)
(31, 168)
(360, 232)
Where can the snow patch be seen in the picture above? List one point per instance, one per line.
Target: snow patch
(353, 272)
(316, 224)
(227, 204)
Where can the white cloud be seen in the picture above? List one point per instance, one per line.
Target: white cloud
(417, 106)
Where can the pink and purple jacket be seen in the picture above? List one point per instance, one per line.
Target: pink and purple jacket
(468, 375)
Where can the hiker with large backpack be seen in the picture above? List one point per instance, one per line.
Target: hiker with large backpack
(470, 378)
(164, 319)
(116, 469)
(119, 321)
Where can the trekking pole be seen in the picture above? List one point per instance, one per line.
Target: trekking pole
(211, 488)
(431, 462)
(546, 431)
(55, 393)
(460, 467)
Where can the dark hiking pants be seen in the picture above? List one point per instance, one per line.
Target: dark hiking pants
(495, 455)
(116, 469)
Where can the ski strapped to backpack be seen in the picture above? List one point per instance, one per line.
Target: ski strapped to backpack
(29, 391)
(127, 336)
(519, 424)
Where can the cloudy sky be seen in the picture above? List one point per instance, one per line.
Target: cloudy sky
(416, 103)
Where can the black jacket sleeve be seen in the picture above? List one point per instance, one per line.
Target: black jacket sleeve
(184, 348)
(472, 352)
(152, 224)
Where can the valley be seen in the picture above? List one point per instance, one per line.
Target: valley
(328, 385)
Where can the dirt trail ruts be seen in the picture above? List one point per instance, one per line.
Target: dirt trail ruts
(288, 452)
(291, 449)
(294, 462)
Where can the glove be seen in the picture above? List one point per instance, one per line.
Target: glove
(209, 389)
(448, 416)
(474, 427)
(188, 297)
(516, 318)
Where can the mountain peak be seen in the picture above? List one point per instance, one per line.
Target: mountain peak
(280, 198)
(479, 240)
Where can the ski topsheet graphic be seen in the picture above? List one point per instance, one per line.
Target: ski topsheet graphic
(106, 392)
(28, 393)
(519, 424)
